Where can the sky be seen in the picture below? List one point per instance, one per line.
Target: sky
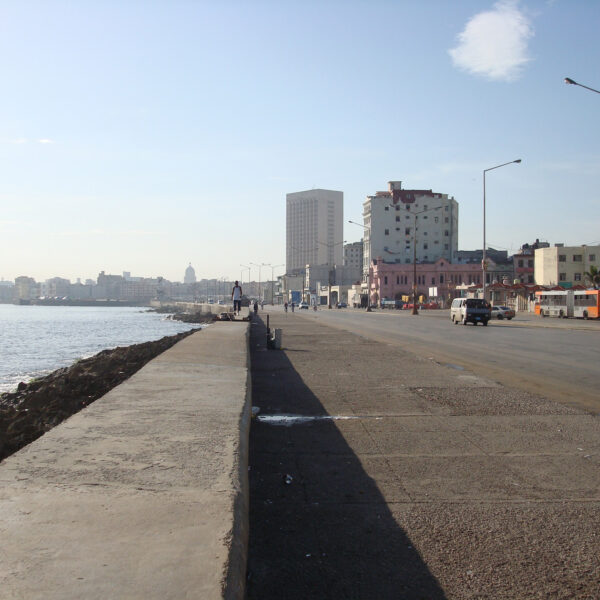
(144, 136)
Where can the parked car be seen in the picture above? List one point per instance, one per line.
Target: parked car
(342, 305)
(502, 312)
(470, 310)
(303, 305)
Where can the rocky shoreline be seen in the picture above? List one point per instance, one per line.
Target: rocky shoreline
(41, 404)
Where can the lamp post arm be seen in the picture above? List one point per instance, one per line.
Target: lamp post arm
(572, 82)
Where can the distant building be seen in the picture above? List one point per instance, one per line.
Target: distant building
(56, 287)
(7, 291)
(314, 229)
(565, 265)
(190, 275)
(524, 261)
(26, 288)
(499, 266)
(353, 256)
(391, 217)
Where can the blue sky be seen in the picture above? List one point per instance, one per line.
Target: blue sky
(142, 136)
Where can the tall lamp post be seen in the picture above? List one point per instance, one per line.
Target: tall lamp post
(570, 81)
(330, 247)
(273, 267)
(369, 266)
(242, 276)
(415, 311)
(483, 260)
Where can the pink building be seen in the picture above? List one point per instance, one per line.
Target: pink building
(394, 280)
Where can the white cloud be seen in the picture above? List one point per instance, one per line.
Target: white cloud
(493, 43)
(45, 141)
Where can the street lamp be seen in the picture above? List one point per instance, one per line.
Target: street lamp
(273, 267)
(330, 247)
(573, 82)
(483, 261)
(369, 266)
(259, 272)
(414, 294)
(241, 274)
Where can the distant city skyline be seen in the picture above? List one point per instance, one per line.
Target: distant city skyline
(145, 136)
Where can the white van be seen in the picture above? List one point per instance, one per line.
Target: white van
(470, 310)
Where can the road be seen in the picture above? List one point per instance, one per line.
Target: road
(554, 358)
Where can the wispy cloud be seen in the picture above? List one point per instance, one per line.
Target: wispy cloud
(45, 141)
(493, 43)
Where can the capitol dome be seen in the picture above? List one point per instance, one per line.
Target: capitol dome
(190, 275)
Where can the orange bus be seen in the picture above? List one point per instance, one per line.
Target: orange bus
(581, 304)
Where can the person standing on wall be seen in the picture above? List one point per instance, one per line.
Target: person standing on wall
(236, 296)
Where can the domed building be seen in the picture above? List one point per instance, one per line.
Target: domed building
(190, 275)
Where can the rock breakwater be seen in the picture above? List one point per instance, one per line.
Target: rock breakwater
(40, 405)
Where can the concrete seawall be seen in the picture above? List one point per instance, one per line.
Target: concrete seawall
(143, 494)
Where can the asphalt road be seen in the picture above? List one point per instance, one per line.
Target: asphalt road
(555, 358)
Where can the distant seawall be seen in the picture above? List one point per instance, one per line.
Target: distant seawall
(143, 494)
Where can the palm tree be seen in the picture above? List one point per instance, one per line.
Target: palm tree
(593, 276)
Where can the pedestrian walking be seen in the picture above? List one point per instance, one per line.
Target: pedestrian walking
(236, 296)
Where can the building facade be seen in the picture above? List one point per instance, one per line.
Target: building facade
(403, 226)
(565, 265)
(524, 262)
(314, 229)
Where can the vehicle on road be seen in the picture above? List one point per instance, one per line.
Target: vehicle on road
(582, 304)
(470, 310)
(502, 312)
(303, 305)
(342, 305)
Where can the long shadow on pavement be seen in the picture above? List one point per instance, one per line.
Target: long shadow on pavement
(319, 526)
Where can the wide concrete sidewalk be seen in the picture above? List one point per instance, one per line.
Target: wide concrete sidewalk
(144, 494)
(410, 479)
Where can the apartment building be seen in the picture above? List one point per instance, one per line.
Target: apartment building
(314, 229)
(403, 225)
(565, 265)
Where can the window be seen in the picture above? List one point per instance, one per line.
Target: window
(446, 208)
(446, 220)
(425, 246)
(520, 263)
(576, 257)
(407, 231)
(397, 279)
(592, 258)
(387, 208)
(433, 281)
(436, 219)
(530, 279)
(424, 206)
(397, 217)
(562, 276)
(530, 263)
(445, 246)
(562, 258)
(577, 277)
(385, 280)
(446, 233)
(408, 207)
(441, 279)
(387, 232)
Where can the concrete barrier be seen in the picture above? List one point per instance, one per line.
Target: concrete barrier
(144, 493)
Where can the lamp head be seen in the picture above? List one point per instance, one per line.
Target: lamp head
(517, 161)
(570, 81)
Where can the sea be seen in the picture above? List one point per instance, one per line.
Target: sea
(36, 340)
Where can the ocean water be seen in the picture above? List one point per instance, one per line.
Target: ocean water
(36, 340)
